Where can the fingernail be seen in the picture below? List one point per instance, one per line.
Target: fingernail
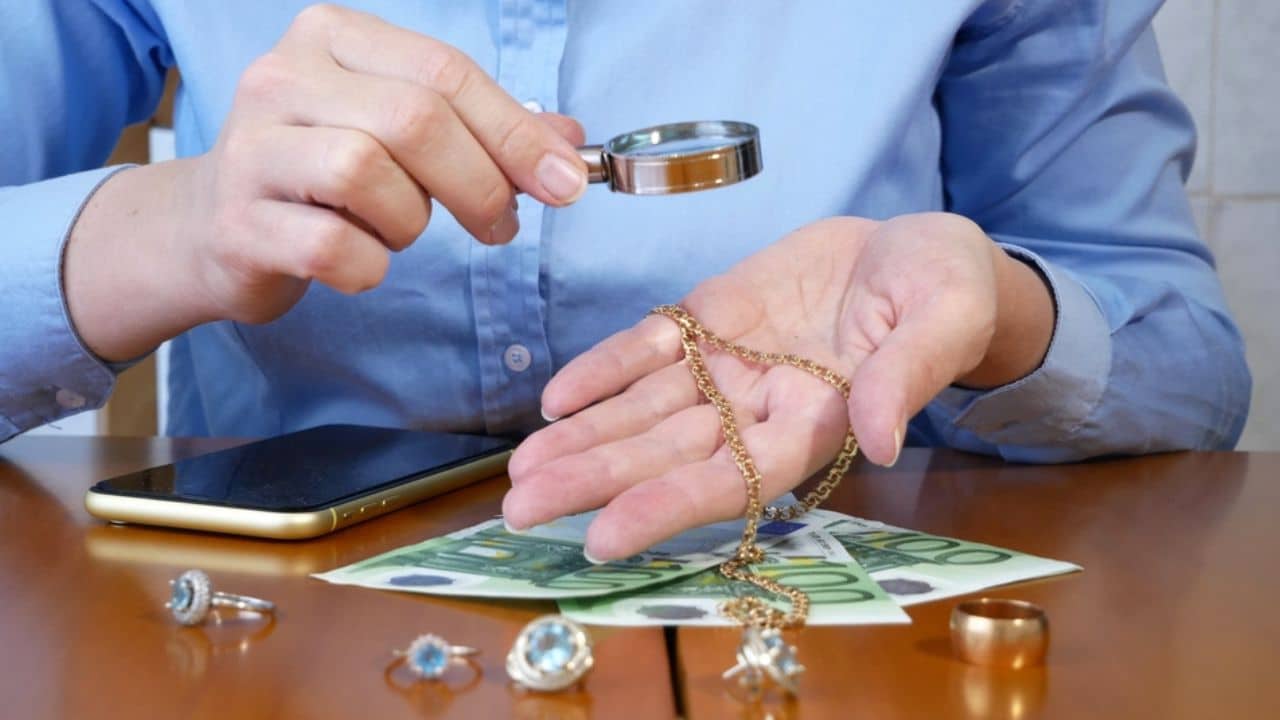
(507, 526)
(562, 179)
(590, 559)
(897, 446)
(505, 229)
(548, 418)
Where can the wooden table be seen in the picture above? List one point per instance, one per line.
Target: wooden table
(1172, 616)
(84, 634)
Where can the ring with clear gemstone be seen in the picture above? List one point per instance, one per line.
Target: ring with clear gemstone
(191, 597)
(428, 656)
(764, 654)
(551, 653)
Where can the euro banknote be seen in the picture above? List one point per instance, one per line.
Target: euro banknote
(812, 561)
(544, 562)
(915, 567)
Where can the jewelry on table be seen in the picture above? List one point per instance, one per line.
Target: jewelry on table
(551, 653)
(428, 657)
(761, 622)
(1000, 633)
(762, 655)
(191, 598)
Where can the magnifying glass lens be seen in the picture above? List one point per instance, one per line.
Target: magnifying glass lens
(653, 145)
(675, 158)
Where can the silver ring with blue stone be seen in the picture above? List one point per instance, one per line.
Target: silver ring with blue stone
(551, 653)
(764, 654)
(428, 656)
(192, 597)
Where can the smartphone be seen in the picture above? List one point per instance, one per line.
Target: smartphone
(300, 485)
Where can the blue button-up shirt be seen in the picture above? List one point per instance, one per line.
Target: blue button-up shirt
(1048, 123)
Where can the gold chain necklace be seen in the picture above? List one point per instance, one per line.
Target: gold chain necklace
(751, 611)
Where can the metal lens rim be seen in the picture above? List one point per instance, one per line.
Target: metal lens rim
(734, 134)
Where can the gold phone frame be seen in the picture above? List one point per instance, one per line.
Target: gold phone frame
(291, 525)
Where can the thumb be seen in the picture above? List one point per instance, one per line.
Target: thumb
(917, 360)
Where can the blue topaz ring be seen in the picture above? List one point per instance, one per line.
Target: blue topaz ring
(551, 653)
(428, 656)
(192, 597)
(763, 654)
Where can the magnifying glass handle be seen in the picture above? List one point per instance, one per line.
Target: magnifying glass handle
(597, 169)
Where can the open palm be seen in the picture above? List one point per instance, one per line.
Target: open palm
(903, 308)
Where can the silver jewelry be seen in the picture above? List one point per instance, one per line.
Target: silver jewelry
(764, 654)
(551, 653)
(428, 656)
(191, 597)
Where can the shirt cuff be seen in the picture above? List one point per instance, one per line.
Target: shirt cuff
(1046, 407)
(46, 372)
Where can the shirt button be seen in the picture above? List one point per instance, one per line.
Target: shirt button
(517, 358)
(532, 106)
(68, 399)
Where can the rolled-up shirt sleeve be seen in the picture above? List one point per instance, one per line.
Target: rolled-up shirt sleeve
(1064, 142)
(46, 372)
(1035, 413)
(72, 75)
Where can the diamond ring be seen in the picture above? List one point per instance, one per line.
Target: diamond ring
(764, 654)
(191, 597)
(428, 656)
(550, 653)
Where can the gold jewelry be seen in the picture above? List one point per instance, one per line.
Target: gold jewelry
(752, 612)
(1000, 633)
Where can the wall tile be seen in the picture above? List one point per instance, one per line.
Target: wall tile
(1184, 29)
(1200, 211)
(1246, 156)
(1245, 235)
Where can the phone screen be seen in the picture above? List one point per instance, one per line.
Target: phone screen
(306, 470)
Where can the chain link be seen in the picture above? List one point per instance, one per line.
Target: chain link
(752, 611)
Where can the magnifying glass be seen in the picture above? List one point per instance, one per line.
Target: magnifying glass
(676, 158)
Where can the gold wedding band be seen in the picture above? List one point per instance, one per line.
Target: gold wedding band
(999, 633)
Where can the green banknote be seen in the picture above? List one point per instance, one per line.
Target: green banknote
(840, 592)
(915, 567)
(544, 562)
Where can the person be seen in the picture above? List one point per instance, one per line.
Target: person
(973, 210)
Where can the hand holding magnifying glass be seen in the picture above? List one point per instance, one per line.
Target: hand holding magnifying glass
(339, 145)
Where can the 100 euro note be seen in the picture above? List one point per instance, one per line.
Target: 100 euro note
(543, 562)
(915, 567)
(840, 592)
